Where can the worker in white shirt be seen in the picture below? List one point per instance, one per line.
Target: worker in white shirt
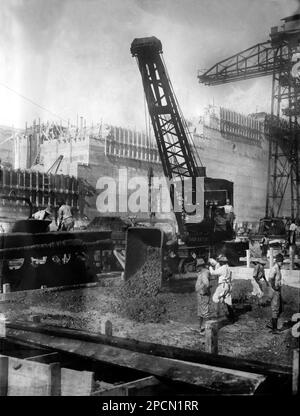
(65, 218)
(275, 280)
(224, 288)
(228, 209)
(292, 233)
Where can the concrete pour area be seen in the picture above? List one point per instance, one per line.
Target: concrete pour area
(88, 308)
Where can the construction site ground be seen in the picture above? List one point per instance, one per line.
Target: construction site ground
(88, 308)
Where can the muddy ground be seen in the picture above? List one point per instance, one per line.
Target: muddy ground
(88, 309)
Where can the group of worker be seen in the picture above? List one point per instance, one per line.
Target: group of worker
(219, 268)
(64, 221)
(291, 237)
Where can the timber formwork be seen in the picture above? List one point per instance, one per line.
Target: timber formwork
(40, 188)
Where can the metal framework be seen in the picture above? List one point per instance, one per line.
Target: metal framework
(274, 57)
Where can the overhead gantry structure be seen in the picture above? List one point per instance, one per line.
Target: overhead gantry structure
(278, 57)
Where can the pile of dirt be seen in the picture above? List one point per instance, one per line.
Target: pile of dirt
(139, 296)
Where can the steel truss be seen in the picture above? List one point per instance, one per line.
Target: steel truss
(274, 58)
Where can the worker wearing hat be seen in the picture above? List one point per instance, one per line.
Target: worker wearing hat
(275, 280)
(202, 289)
(224, 288)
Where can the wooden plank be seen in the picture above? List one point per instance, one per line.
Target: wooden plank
(45, 358)
(157, 350)
(14, 240)
(296, 376)
(53, 247)
(27, 378)
(54, 379)
(128, 389)
(211, 337)
(217, 380)
(3, 375)
(76, 383)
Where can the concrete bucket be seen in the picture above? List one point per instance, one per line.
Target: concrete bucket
(144, 253)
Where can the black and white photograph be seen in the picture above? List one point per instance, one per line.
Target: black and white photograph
(150, 201)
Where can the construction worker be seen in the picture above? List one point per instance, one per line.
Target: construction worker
(275, 280)
(292, 233)
(224, 288)
(202, 289)
(65, 217)
(228, 209)
(258, 276)
(264, 245)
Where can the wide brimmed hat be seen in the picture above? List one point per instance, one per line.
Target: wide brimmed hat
(222, 258)
(200, 262)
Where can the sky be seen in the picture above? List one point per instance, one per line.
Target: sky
(72, 57)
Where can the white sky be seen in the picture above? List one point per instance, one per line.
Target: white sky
(73, 56)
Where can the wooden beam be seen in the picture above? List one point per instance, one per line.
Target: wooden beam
(156, 349)
(211, 336)
(76, 383)
(13, 240)
(45, 358)
(214, 379)
(63, 246)
(128, 389)
(3, 375)
(296, 386)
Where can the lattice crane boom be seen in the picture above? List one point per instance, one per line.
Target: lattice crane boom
(170, 129)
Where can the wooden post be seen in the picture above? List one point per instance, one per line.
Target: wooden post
(54, 379)
(248, 258)
(271, 258)
(296, 386)
(108, 328)
(291, 255)
(2, 326)
(1, 275)
(3, 375)
(36, 319)
(6, 288)
(211, 337)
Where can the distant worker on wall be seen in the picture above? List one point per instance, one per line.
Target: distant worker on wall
(202, 289)
(292, 233)
(264, 245)
(224, 288)
(275, 280)
(229, 214)
(65, 217)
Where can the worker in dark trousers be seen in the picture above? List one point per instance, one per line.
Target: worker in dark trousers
(202, 289)
(65, 217)
(258, 277)
(275, 280)
(223, 291)
(264, 245)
